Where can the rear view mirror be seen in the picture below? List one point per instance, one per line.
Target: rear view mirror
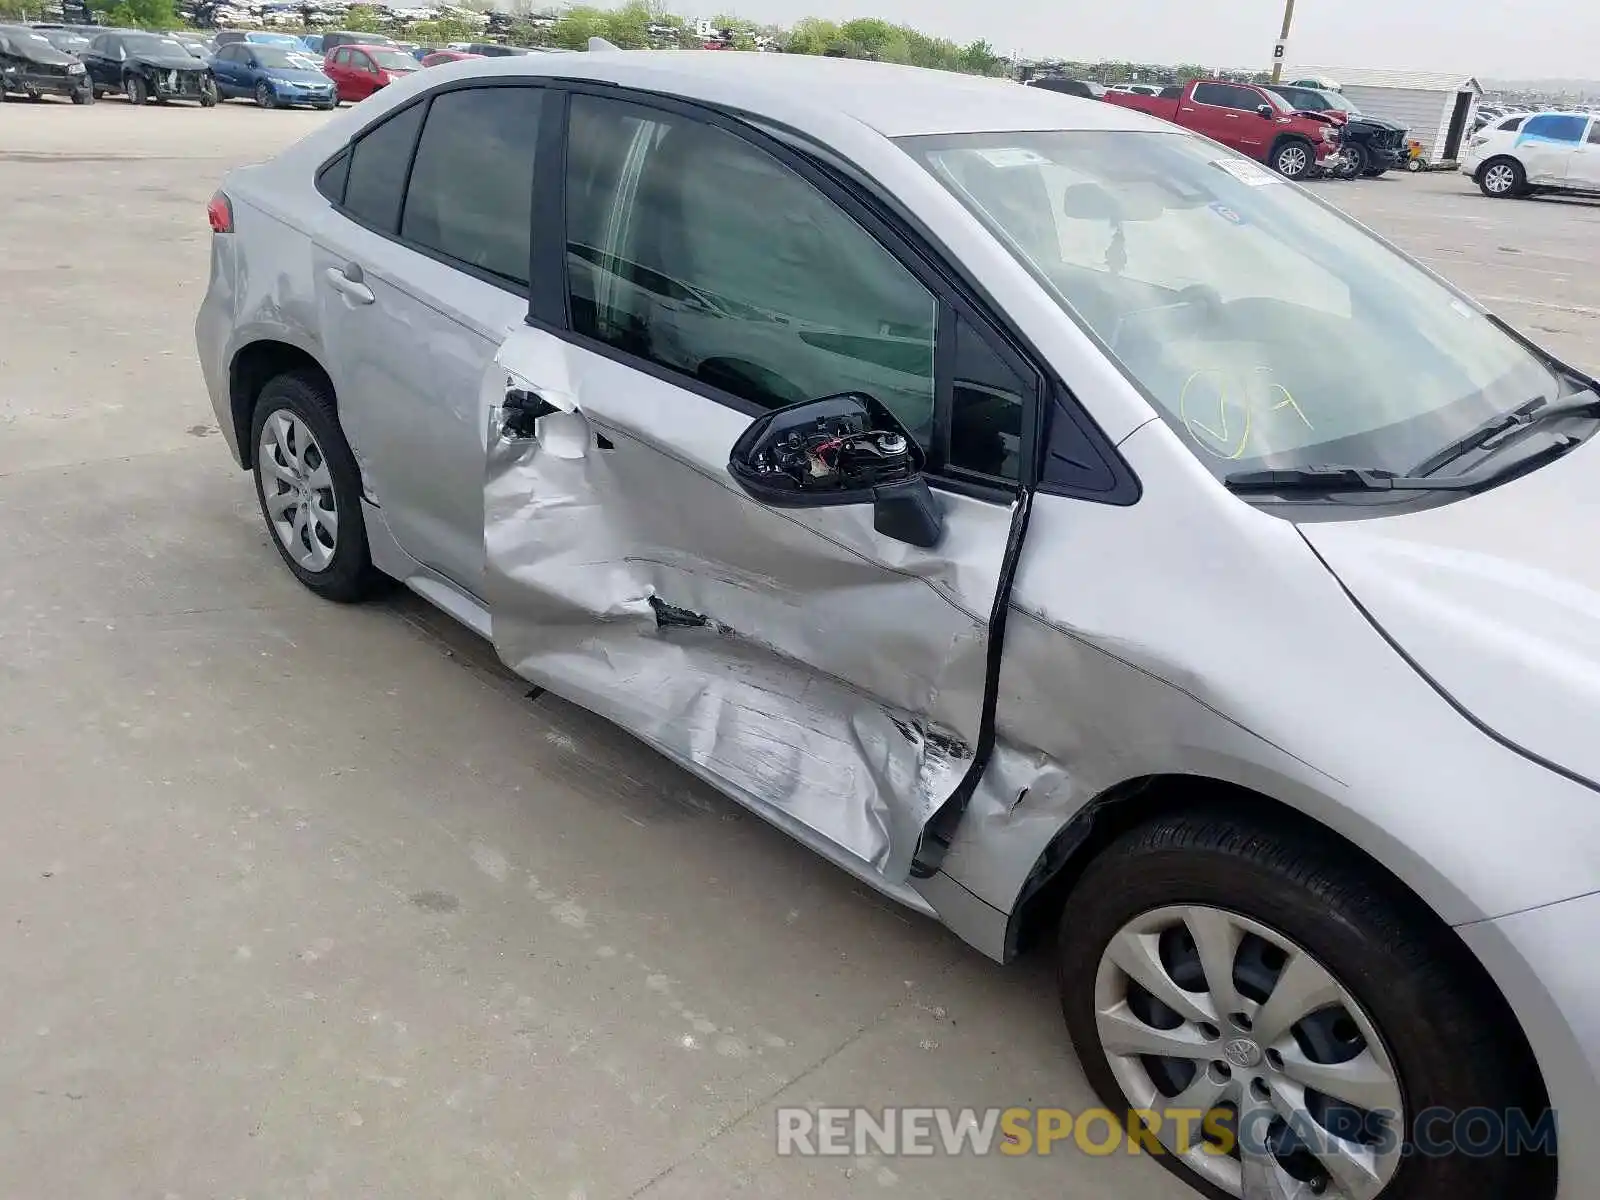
(845, 449)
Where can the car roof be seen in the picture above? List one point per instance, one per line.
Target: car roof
(895, 100)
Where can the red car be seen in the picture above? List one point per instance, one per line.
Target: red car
(358, 71)
(1246, 118)
(435, 58)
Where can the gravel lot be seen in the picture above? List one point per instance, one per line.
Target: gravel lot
(307, 900)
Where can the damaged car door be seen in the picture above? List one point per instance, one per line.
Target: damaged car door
(723, 328)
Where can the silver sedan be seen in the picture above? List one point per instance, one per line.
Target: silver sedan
(1057, 520)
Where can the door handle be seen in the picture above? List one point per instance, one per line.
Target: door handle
(1231, 116)
(349, 281)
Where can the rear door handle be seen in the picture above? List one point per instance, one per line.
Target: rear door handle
(349, 281)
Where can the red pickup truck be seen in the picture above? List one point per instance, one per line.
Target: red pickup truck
(1245, 118)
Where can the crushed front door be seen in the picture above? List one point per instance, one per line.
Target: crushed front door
(825, 675)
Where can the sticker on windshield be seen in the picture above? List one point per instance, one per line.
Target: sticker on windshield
(1012, 156)
(1245, 171)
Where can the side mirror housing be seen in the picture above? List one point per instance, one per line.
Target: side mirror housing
(844, 449)
(1265, 110)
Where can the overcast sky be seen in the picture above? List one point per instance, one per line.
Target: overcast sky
(1543, 39)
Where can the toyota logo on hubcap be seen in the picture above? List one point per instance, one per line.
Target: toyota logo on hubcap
(1242, 1052)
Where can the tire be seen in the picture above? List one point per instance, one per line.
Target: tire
(265, 96)
(341, 571)
(83, 96)
(209, 96)
(1293, 158)
(1359, 158)
(1425, 1021)
(138, 92)
(1414, 165)
(1502, 178)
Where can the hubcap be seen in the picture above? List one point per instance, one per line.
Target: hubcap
(297, 490)
(1499, 179)
(1212, 1020)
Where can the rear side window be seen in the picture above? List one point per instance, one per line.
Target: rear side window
(1511, 123)
(1555, 127)
(1223, 95)
(1594, 133)
(471, 191)
(378, 165)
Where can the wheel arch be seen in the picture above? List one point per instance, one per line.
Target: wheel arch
(251, 368)
(1107, 817)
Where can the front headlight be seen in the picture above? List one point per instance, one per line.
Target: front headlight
(74, 68)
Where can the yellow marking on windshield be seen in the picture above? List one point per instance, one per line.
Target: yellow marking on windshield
(1218, 441)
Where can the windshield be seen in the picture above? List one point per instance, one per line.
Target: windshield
(281, 58)
(154, 45)
(393, 60)
(1266, 329)
(69, 43)
(26, 37)
(276, 39)
(1278, 102)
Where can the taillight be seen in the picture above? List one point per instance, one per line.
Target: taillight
(220, 213)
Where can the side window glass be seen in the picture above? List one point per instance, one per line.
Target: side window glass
(987, 400)
(1511, 123)
(471, 191)
(1594, 133)
(690, 248)
(1244, 99)
(1555, 127)
(1212, 93)
(378, 165)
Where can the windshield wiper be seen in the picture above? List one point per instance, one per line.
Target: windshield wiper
(1331, 478)
(1522, 417)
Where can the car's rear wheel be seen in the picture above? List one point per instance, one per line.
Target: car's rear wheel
(1294, 159)
(1215, 967)
(1500, 178)
(265, 96)
(310, 488)
(138, 92)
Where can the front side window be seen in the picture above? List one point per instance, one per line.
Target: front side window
(693, 249)
(471, 190)
(378, 163)
(1554, 127)
(1265, 328)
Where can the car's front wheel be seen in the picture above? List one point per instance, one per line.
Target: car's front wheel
(310, 488)
(84, 95)
(1502, 177)
(265, 96)
(1294, 159)
(1285, 1017)
(137, 91)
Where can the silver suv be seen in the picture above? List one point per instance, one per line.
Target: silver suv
(976, 484)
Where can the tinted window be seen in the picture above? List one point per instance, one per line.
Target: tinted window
(378, 170)
(471, 192)
(331, 179)
(986, 407)
(1512, 123)
(691, 248)
(341, 56)
(1225, 95)
(1594, 133)
(1555, 127)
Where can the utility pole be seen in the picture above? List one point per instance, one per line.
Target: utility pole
(1282, 47)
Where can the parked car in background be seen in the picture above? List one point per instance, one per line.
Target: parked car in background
(496, 50)
(30, 66)
(313, 43)
(272, 76)
(1084, 538)
(201, 49)
(1084, 88)
(437, 58)
(148, 66)
(359, 70)
(66, 40)
(1370, 145)
(1246, 118)
(344, 37)
(1136, 89)
(1526, 154)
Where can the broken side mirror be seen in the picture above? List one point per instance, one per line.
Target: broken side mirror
(845, 449)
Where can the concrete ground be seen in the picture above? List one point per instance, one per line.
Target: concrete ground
(307, 900)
